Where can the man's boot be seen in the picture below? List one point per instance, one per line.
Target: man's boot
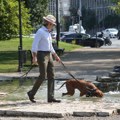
(51, 92)
(32, 92)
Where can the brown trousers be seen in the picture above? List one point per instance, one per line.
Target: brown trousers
(46, 68)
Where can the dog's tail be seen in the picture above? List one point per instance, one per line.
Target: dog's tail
(61, 86)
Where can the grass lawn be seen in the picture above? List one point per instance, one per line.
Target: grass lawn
(9, 53)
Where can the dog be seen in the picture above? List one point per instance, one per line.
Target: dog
(85, 87)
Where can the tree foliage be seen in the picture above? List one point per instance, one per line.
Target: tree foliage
(38, 9)
(115, 1)
(9, 19)
(88, 18)
(111, 21)
(74, 15)
(116, 8)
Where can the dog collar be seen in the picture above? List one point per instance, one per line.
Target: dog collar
(90, 93)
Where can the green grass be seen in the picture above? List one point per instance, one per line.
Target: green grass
(9, 53)
(12, 45)
(68, 47)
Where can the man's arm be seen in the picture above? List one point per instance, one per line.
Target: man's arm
(56, 57)
(34, 58)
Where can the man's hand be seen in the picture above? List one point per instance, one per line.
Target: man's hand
(57, 58)
(34, 58)
(34, 61)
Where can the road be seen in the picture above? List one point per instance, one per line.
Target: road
(115, 44)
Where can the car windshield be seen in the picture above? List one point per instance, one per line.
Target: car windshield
(69, 35)
(85, 36)
(112, 30)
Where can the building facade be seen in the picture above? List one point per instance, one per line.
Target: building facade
(63, 5)
(52, 7)
(102, 8)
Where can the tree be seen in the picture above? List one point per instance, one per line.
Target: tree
(38, 9)
(89, 19)
(111, 21)
(117, 7)
(9, 19)
(74, 15)
(67, 23)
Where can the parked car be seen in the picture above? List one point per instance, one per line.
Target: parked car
(110, 32)
(118, 35)
(54, 34)
(75, 28)
(63, 33)
(83, 39)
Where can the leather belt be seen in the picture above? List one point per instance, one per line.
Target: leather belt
(44, 51)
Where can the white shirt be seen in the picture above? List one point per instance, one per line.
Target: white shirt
(42, 41)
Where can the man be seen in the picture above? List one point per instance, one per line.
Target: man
(42, 52)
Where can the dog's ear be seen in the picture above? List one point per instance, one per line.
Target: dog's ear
(99, 93)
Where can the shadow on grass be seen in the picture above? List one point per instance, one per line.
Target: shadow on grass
(8, 57)
(9, 61)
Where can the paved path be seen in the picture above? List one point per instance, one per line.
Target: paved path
(83, 63)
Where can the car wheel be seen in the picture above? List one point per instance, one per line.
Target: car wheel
(97, 45)
(92, 46)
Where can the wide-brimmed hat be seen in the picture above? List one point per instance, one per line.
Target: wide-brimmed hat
(50, 18)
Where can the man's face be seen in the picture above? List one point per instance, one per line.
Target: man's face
(50, 26)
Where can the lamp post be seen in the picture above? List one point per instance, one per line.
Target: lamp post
(58, 22)
(80, 16)
(20, 37)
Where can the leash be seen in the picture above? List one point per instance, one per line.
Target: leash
(23, 76)
(32, 65)
(90, 92)
(26, 73)
(68, 71)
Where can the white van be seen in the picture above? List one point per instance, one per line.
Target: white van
(75, 28)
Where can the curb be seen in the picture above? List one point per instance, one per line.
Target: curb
(98, 114)
(32, 114)
(57, 115)
(84, 114)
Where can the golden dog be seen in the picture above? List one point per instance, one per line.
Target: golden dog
(85, 87)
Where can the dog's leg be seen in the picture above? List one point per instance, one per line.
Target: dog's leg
(70, 91)
(82, 94)
(65, 94)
